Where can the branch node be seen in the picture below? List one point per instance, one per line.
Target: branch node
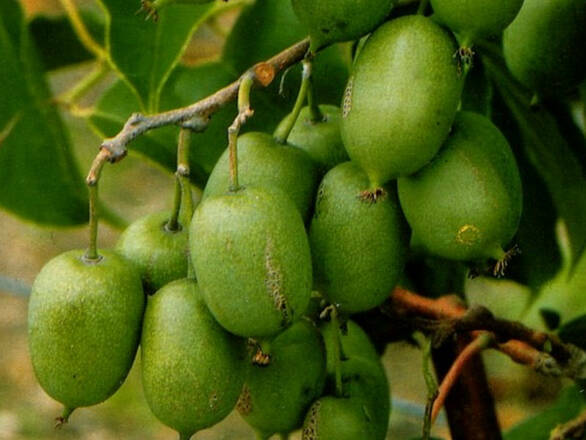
(264, 73)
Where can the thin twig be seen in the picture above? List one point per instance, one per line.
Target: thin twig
(574, 429)
(263, 74)
(480, 343)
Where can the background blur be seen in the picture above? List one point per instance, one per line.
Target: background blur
(134, 188)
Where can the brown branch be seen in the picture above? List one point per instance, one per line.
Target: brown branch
(447, 315)
(263, 74)
(481, 342)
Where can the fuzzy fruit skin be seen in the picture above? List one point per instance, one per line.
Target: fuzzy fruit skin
(337, 418)
(160, 255)
(277, 396)
(542, 46)
(331, 21)
(466, 204)
(252, 260)
(321, 140)
(262, 162)
(475, 19)
(192, 369)
(84, 324)
(401, 98)
(352, 239)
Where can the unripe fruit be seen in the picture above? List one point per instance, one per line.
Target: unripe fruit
(252, 260)
(542, 45)
(321, 140)
(337, 418)
(277, 396)
(331, 21)
(476, 19)
(192, 369)
(401, 98)
(359, 244)
(159, 254)
(264, 163)
(466, 204)
(84, 326)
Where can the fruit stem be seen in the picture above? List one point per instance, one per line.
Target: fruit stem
(92, 179)
(430, 382)
(244, 112)
(64, 418)
(282, 133)
(284, 436)
(422, 7)
(315, 113)
(182, 197)
(184, 436)
(337, 353)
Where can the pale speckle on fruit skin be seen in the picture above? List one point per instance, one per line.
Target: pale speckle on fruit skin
(468, 235)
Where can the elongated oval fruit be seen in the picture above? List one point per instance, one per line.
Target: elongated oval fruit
(331, 21)
(359, 244)
(475, 19)
(252, 260)
(320, 139)
(466, 204)
(542, 46)
(277, 396)
(192, 369)
(159, 254)
(84, 326)
(401, 98)
(264, 163)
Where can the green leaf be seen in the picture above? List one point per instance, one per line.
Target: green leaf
(38, 175)
(538, 427)
(145, 52)
(549, 153)
(57, 42)
(574, 332)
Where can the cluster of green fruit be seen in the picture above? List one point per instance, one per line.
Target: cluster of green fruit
(247, 333)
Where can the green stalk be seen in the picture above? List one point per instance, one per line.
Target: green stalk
(92, 179)
(314, 111)
(422, 7)
(337, 354)
(282, 133)
(173, 223)
(243, 109)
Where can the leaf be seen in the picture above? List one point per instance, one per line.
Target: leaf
(57, 42)
(574, 332)
(145, 52)
(39, 178)
(538, 427)
(549, 153)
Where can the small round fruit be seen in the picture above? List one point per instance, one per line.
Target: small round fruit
(401, 99)
(359, 240)
(276, 397)
(476, 19)
(466, 204)
(84, 322)
(192, 369)
(264, 163)
(252, 260)
(542, 45)
(321, 139)
(159, 254)
(331, 21)
(337, 418)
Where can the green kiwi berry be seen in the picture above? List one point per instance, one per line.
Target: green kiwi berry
(331, 21)
(466, 204)
(321, 138)
(475, 19)
(264, 163)
(192, 369)
(542, 45)
(159, 253)
(252, 260)
(84, 321)
(277, 396)
(401, 98)
(359, 240)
